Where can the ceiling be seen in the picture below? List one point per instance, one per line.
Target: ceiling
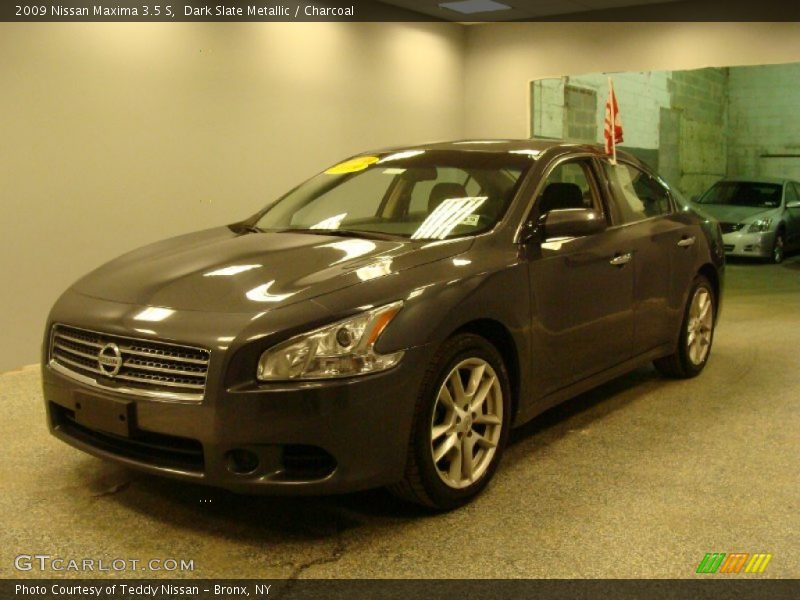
(520, 9)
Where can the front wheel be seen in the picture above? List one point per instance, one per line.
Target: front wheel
(461, 425)
(778, 249)
(697, 334)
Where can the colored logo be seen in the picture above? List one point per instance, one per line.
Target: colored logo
(741, 562)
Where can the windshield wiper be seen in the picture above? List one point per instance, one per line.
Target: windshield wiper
(356, 233)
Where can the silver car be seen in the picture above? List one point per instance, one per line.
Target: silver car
(759, 218)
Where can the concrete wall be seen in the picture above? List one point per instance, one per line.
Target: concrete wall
(704, 124)
(640, 95)
(764, 115)
(673, 120)
(116, 135)
(503, 58)
(699, 99)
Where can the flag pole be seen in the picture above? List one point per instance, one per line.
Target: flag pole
(613, 121)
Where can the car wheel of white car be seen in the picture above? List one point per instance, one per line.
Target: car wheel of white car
(778, 248)
(460, 426)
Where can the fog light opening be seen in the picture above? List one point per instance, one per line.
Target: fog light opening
(241, 462)
(306, 463)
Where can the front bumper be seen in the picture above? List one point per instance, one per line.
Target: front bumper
(754, 245)
(307, 438)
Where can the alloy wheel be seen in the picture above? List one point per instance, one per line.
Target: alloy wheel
(700, 326)
(467, 423)
(777, 250)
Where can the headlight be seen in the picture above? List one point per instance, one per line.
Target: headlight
(343, 349)
(760, 226)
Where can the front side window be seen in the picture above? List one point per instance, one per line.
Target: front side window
(635, 194)
(414, 194)
(791, 193)
(743, 193)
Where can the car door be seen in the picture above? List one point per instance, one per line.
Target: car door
(581, 288)
(793, 214)
(665, 245)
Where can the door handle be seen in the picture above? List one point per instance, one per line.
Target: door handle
(686, 242)
(620, 260)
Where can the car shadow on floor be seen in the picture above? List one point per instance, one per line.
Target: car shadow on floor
(792, 263)
(790, 258)
(289, 520)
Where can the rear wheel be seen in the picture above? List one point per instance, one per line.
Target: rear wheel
(460, 425)
(697, 334)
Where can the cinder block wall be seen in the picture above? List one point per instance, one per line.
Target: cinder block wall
(764, 108)
(700, 98)
(674, 120)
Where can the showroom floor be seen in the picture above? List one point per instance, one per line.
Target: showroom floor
(637, 479)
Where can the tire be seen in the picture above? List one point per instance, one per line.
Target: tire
(692, 354)
(444, 428)
(778, 248)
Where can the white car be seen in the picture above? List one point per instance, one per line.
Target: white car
(759, 218)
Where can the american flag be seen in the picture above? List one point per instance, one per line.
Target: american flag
(612, 129)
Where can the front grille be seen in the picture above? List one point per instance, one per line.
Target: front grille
(156, 449)
(730, 227)
(135, 366)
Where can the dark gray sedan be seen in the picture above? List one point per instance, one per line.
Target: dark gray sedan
(385, 323)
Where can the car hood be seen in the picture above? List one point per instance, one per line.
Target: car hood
(218, 270)
(734, 214)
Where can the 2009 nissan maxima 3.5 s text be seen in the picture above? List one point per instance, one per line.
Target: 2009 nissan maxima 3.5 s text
(385, 323)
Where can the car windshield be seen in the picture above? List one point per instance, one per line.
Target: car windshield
(743, 193)
(413, 194)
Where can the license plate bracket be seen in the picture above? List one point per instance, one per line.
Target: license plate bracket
(105, 414)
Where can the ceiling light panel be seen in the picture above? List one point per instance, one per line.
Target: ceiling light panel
(471, 7)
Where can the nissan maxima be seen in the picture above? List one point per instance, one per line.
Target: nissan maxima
(385, 323)
(760, 218)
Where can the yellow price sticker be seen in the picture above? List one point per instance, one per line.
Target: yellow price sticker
(353, 165)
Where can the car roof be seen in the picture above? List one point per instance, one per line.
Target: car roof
(773, 180)
(507, 145)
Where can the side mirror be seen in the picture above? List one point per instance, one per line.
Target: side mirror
(793, 204)
(571, 222)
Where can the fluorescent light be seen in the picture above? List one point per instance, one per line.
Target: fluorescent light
(261, 294)
(231, 270)
(377, 269)
(469, 7)
(154, 313)
(330, 223)
(401, 155)
(469, 142)
(351, 249)
(527, 152)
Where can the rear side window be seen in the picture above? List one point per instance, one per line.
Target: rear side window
(569, 185)
(635, 194)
